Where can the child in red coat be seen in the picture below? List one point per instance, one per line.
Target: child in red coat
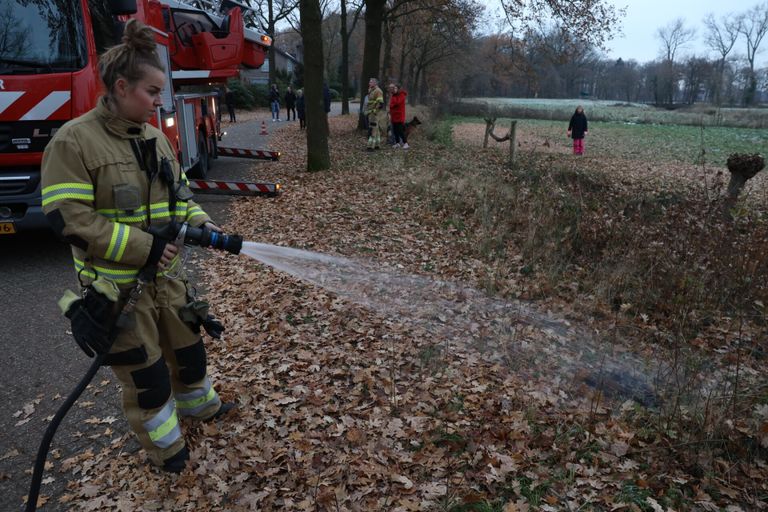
(397, 114)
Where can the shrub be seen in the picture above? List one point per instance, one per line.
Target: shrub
(260, 94)
(243, 95)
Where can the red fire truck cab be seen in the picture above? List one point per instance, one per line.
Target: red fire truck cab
(49, 75)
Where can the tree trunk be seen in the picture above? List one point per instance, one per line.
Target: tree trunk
(401, 70)
(374, 17)
(386, 61)
(271, 33)
(751, 89)
(412, 97)
(318, 156)
(344, 71)
(423, 86)
(411, 81)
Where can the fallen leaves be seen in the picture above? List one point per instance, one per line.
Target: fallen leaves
(342, 407)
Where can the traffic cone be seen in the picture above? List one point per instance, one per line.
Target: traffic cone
(263, 128)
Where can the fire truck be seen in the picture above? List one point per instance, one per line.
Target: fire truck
(49, 75)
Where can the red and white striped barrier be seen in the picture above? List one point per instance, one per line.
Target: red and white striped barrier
(258, 154)
(234, 188)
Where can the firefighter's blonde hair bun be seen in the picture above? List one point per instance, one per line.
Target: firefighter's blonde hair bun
(139, 37)
(130, 59)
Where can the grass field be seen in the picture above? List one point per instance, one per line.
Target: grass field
(634, 113)
(690, 145)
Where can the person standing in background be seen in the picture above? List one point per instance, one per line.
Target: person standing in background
(397, 115)
(577, 130)
(274, 102)
(290, 104)
(377, 116)
(326, 98)
(229, 100)
(300, 109)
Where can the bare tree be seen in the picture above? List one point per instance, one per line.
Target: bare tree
(346, 33)
(591, 22)
(674, 37)
(721, 37)
(318, 155)
(374, 17)
(754, 25)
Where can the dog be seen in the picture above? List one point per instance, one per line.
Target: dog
(411, 125)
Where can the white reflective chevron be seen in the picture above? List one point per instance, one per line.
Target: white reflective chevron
(48, 106)
(7, 98)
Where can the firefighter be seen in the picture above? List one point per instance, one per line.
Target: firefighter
(108, 176)
(377, 116)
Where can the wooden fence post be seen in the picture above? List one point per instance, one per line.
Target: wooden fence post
(512, 129)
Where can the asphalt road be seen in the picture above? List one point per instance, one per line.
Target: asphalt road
(41, 363)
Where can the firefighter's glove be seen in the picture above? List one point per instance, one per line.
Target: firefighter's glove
(195, 315)
(92, 316)
(213, 327)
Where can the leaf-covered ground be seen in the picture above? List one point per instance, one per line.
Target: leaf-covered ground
(341, 407)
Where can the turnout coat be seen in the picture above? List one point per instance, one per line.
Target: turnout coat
(103, 186)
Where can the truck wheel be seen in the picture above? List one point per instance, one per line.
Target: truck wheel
(200, 170)
(214, 151)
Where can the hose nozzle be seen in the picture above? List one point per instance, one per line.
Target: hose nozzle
(205, 237)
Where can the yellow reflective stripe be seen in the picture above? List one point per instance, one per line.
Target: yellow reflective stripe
(124, 243)
(113, 214)
(108, 213)
(191, 404)
(117, 243)
(61, 191)
(120, 276)
(162, 210)
(165, 428)
(195, 211)
(68, 185)
(112, 241)
(135, 217)
(84, 272)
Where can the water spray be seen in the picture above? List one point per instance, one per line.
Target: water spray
(461, 317)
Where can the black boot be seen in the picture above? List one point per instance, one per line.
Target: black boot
(224, 408)
(178, 462)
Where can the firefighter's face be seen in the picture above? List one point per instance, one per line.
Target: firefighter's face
(137, 101)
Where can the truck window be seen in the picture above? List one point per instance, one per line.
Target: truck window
(189, 23)
(45, 34)
(104, 32)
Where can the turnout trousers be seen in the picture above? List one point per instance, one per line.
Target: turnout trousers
(377, 121)
(161, 365)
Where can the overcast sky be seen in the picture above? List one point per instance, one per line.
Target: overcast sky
(644, 17)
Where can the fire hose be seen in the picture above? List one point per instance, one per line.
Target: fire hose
(182, 235)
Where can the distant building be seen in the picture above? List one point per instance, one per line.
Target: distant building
(284, 62)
